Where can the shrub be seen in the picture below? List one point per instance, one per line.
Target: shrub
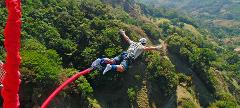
(223, 104)
(186, 104)
(131, 94)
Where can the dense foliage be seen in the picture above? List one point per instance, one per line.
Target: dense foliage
(203, 58)
(60, 37)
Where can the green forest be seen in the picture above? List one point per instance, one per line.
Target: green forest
(59, 38)
(220, 17)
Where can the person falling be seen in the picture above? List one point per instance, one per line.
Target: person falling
(121, 62)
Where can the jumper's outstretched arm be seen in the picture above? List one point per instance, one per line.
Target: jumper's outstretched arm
(122, 32)
(153, 48)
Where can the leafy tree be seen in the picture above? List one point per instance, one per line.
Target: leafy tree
(151, 31)
(44, 67)
(163, 73)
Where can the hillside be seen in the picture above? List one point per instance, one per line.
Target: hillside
(59, 38)
(221, 17)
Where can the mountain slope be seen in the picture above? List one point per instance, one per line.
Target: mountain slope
(203, 95)
(221, 17)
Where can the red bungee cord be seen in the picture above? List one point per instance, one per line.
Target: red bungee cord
(12, 33)
(73, 78)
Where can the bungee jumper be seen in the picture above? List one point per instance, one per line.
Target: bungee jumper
(10, 72)
(121, 62)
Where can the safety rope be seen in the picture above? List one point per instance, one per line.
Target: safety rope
(73, 78)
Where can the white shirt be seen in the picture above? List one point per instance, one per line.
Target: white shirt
(135, 49)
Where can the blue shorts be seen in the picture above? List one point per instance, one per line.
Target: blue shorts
(123, 59)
